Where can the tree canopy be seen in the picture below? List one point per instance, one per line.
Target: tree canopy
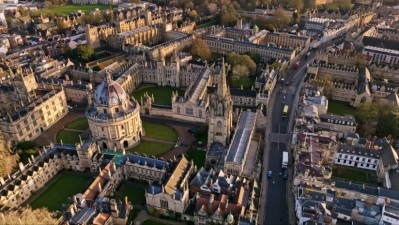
(324, 84)
(200, 49)
(9, 159)
(27, 216)
(84, 52)
(244, 60)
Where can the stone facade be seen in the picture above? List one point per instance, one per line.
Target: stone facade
(114, 118)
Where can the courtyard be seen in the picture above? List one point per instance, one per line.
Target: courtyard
(159, 131)
(135, 192)
(162, 95)
(341, 108)
(198, 157)
(355, 174)
(62, 186)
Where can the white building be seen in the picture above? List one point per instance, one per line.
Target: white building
(359, 157)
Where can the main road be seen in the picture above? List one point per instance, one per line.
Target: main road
(274, 202)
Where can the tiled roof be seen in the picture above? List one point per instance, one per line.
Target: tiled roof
(381, 43)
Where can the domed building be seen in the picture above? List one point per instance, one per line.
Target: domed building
(114, 117)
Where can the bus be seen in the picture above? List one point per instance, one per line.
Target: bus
(285, 111)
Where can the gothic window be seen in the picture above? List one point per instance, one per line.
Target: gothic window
(164, 204)
(220, 109)
(219, 128)
(189, 111)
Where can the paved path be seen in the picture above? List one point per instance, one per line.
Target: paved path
(143, 216)
(75, 130)
(144, 138)
(50, 135)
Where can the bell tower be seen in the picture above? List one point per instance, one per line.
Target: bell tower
(92, 37)
(220, 112)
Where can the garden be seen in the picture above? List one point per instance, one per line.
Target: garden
(70, 134)
(151, 148)
(67, 9)
(159, 131)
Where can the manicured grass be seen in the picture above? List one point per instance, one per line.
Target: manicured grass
(66, 9)
(162, 95)
(79, 124)
(151, 148)
(352, 174)
(66, 185)
(134, 193)
(68, 137)
(207, 24)
(159, 131)
(151, 222)
(341, 108)
(246, 83)
(198, 157)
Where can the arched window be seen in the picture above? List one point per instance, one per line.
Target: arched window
(220, 109)
(219, 128)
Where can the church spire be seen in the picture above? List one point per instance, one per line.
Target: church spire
(222, 86)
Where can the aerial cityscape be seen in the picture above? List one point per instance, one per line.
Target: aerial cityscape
(192, 112)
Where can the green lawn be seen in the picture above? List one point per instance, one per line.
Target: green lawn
(134, 193)
(341, 108)
(159, 131)
(207, 24)
(151, 222)
(151, 148)
(79, 124)
(246, 83)
(66, 9)
(68, 137)
(162, 95)
(198, 157)
(66, 185)
(352, 174)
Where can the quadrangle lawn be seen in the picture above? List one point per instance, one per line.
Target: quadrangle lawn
(151, 148)
(68, 137)
(66, 9)
(341, 108)
(134, 193)
(353, 174)
(79, 124)
(159, 131)
(162, 95)
(65, 185)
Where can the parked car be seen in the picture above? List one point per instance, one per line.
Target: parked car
(269, 174)
(285, 175)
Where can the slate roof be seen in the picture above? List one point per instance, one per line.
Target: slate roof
(381, 43)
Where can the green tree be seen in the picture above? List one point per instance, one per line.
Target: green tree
(26, 150)
(9, 159)
(236, 59)
(389, 124)
(240, 72)
(281, 18)
(200, 49)
(229, 15)
(359, 61)
(324, 84)
(296, 4)
(84, 52)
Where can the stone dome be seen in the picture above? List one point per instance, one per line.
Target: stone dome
(109, 92)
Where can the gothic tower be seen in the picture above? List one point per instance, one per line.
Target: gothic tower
(220, 112)
(92, 37)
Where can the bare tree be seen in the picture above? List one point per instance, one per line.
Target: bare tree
(27, 216)
(9, 159)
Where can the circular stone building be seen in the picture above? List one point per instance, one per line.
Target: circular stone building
(114, 118)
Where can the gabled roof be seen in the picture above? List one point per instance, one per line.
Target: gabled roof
(381, 43)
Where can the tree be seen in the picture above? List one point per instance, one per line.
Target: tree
(200, 49)
(84, 52)
(212, 8)
(47, 5)
(192, 14)
(27, 149)
(236, 59)
(296, 4)
(281, 17)
(367, 119)
(229, 15)
(324, 84)
(359, 61)
(240, 71)
(9, 159)
(27, 216)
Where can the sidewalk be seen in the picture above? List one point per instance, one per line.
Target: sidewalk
(143, 216)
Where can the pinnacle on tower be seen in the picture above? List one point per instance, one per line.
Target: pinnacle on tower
(222, 86)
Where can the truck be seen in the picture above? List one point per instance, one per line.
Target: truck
(284, 163)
